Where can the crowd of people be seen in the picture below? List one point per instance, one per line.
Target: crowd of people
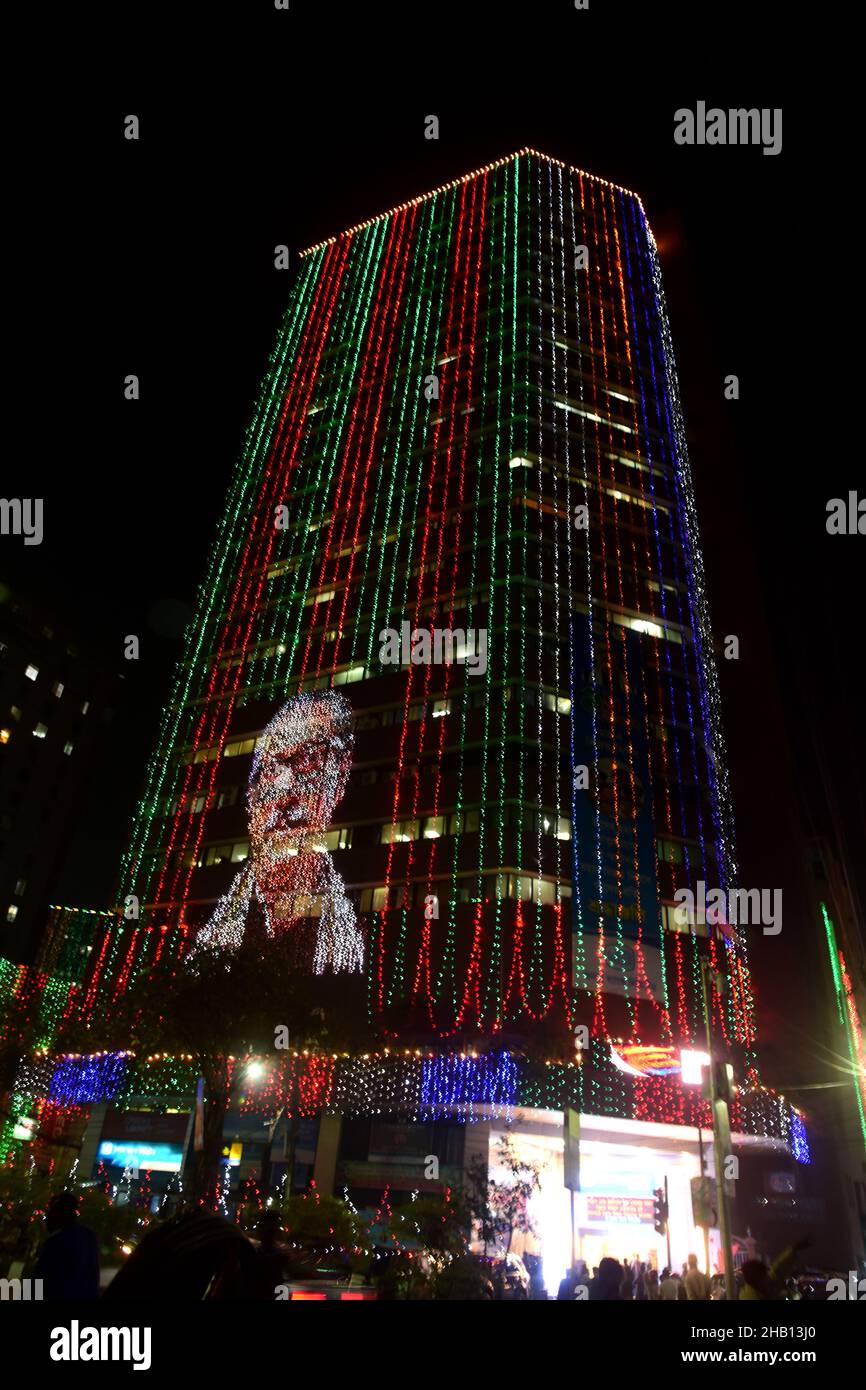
(642, 1282)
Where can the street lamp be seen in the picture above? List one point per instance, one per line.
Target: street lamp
(693, 1065)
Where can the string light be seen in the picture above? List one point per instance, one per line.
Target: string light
(570, 374)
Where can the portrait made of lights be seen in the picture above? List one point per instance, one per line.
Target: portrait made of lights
(299, 773)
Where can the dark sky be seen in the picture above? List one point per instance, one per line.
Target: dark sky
(157, 258)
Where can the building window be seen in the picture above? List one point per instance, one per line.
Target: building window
(676, 919)
(670, 851)
(434, 826)
(349, 677)
(463, 823)
(15, 712)
(5, 735)
(373, 899)
(226, 796)
(333, 839)
(31, 672)
(85, 707)
(20, 887)
(40, 731)
(67, 748)
(560, 704)
(11, 912)
(57, 689)
(399, 832)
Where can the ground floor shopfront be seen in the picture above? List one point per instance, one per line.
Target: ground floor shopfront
(622, 1164)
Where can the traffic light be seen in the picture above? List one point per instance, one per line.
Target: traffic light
(660, 1211)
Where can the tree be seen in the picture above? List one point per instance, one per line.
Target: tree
(501, 1208)
(220, 1010)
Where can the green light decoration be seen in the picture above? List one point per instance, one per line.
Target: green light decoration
(849, 1018)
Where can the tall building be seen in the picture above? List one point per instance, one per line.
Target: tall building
(470, 430)
(54, 701)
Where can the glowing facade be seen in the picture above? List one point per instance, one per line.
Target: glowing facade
(471, 421)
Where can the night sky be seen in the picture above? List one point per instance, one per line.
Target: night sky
(158, 259)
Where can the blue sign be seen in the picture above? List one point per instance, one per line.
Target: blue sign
(125, 1153)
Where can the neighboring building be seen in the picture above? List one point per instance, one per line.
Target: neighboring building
(53, 697)
(471, 423)
(840, 1008)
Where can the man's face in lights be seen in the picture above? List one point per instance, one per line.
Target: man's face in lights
(301, 775)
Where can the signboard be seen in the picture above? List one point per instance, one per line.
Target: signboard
(140, 1156)
(619, 1211)
(394, 1141)
(146, 1139)
(571, 1156)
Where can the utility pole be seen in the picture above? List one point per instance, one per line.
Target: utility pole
(668, 1224)
(721, 1136)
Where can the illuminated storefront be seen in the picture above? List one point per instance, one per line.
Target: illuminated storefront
(622, 1163)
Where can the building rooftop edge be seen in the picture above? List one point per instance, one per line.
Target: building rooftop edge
(454, 183)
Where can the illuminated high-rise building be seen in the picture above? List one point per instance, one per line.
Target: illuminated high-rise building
(471, 427)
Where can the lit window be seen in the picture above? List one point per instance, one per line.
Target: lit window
(227, 796)
(354, 673)
(440, 709)
(400, 833)
(57, 689)
(240, 852)
(463, 822)
(560, 704)
(85, 707)
(220, 854)
(434, 826)
(325, 597)
(32, 672)
(11, 912)
(644, 625)
(675, 918)
(5, 735)
(670, 852)
(558, 826)
(40, 731)
(67, 748)
(520, 463)
(15, 712)
(19, 887)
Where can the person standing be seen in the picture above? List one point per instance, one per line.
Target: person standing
(607, 1284)
(68, 1263)
(698, 1285)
